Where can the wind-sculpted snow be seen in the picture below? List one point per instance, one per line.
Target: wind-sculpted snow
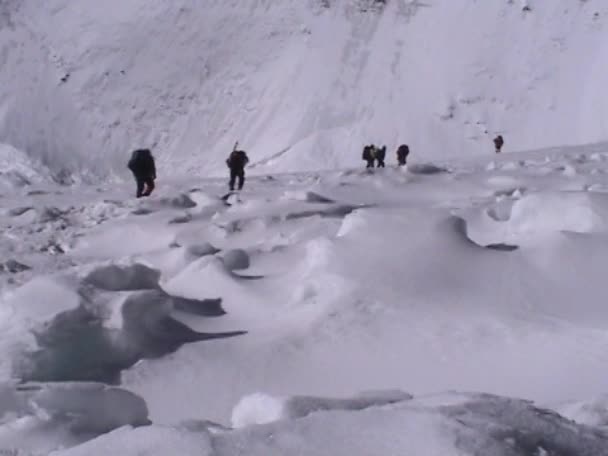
(466, 424)
(451, 424)
(99, 332)
(488, 277)
(39, 418)
(262, 409)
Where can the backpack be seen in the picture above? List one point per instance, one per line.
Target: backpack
(403, 150)
(237, 159)
(138, 157)
(366, 153)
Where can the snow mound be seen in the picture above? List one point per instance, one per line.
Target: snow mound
(91, 407)
(537, 217)
(450, 424)
(149, 441)
(546, 213)
(41, 417)
(261, 408)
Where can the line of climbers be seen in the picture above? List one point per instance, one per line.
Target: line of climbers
(376, 155)
(143, 168)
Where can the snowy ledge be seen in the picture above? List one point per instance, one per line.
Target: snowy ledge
(94, 419)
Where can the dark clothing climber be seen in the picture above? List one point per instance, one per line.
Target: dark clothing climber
(380, 155)
(369, 153)
(498, 143)
(402, 152)
(236, 162)
(143, 168)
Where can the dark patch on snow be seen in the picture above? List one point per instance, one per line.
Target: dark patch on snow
(124, 278)
(51, 214)
(76, 345)
(182, 201)
(502, 247)
(201, 250)
(82, 410)
(142, 211)
(180, 219)
(204, 307)
(512, 427)
(313, 197)
(426, 168)
(13, 267)
(18, 211)
(114, 202)
(301, 406)
(338, 211)
(510, 192)
(236, 259)
(246, 277)
(53, 248)
(148, 324)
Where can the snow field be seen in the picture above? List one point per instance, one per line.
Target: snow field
(467, 276)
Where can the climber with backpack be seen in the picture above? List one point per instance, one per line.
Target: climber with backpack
(143, 168)
(236, 162)
(380, 155)
(369, 153)
(402, 152)
(498, 143)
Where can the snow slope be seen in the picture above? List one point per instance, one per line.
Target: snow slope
(302, 84)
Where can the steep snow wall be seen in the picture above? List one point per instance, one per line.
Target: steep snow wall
(303, 84)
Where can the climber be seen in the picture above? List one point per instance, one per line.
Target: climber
(380, 155)
(402, 152)
(236, 162)
(143, 168)
(369, 153)
(498, 143)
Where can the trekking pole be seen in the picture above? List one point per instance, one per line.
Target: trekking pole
(236, 144)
